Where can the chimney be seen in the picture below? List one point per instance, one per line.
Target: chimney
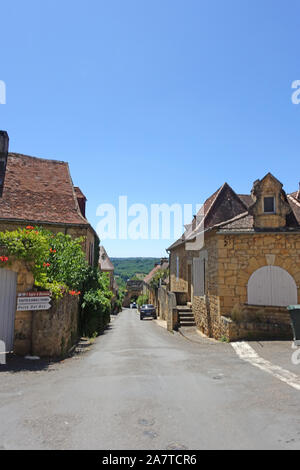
(4, 141)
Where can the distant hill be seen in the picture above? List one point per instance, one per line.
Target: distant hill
(127, 268)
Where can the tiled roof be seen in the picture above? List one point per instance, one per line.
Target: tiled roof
(39, 191)
(295, 205)
(79, 193)
(242, 222)
(223, 211)
(104, 261)
(223, 205)
(246, 198)
(156, 268)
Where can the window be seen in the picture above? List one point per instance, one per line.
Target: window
(199, 274)
(269, 205)
(177, 268)
(91, 254)
(272, 285)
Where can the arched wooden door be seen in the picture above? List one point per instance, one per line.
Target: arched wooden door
(8, 290)
(272, 285)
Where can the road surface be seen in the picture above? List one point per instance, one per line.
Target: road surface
(141, 387)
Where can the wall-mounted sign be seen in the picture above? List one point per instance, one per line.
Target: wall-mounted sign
(33, 301)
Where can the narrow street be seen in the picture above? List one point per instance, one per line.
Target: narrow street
(140, 387)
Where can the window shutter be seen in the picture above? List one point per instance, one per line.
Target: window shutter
(199, 276)
(272, 285)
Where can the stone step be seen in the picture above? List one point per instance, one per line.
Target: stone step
(187, 323)
(186, 317)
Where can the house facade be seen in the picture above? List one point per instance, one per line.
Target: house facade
(37, 191)
(106, 266)
(152, 290)
(245, 268)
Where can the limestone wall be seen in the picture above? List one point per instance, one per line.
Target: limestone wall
(43, 333)
(241, 255)
(48, 333)
(232, 259)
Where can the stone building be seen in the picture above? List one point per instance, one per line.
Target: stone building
(150, 290)
(38, 191)
(238, 265)
(106, 266)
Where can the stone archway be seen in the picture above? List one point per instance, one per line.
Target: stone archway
(133, 290)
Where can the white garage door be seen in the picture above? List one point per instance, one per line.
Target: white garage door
(272, 285)
(8, 289)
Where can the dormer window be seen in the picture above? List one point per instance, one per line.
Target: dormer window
(269, 205)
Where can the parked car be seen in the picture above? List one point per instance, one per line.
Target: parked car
(133, 305)
(148, 310)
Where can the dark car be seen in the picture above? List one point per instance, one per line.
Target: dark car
(148, 310)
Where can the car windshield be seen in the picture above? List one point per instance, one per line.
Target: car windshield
(149, 306)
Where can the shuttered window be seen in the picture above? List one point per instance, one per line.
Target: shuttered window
(199, 276)
(272, 285)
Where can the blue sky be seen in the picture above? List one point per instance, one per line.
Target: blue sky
(161, 101)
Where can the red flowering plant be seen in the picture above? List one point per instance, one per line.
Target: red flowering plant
(59, 264)
(57, 261)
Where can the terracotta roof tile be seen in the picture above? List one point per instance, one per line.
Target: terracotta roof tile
(104, 260)
(39, 190)
(156, 268)
(223, 205)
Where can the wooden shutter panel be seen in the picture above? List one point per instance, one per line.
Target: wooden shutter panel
(272, 285)
(199, 276)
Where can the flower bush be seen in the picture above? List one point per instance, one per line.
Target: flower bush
(58, 264)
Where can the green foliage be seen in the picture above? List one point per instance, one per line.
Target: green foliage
(127, 268)
(31, 246)
(59, 264)
(159, 277)
(142, 299)
(67, 261)
(96, 304)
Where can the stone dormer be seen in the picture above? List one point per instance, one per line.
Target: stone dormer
(270, 206)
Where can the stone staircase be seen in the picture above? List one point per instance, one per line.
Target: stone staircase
(185, 316)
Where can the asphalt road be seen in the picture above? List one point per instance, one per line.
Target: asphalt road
(140, 387)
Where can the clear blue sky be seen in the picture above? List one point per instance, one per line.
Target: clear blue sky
(159, 100)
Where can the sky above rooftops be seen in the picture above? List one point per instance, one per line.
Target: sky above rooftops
(159, 101)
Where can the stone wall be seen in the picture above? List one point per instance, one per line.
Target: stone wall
(43, 333)
(232, 259)
(206, 309)
(181, 284)
(241, 255)
(48, 333)
(166, 306)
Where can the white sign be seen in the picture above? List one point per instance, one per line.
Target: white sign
(33, 301)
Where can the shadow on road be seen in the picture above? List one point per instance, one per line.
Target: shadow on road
(16, 364)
